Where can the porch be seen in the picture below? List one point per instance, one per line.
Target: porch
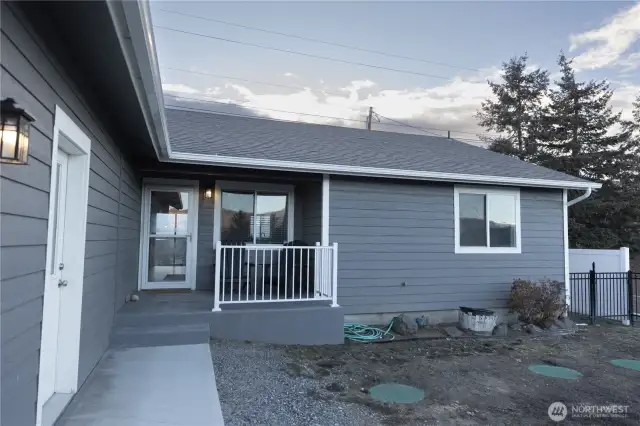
(161, 319)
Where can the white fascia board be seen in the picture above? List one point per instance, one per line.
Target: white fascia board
(294, 166)
(132, 22)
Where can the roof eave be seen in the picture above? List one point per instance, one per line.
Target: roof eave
(132, 20)
(294, 166)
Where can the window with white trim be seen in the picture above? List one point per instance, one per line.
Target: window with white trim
(487, 220)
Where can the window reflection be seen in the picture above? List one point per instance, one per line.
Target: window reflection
(502, 220)
(236, 217)
(473, 231)
(252, 217)
(169, 212)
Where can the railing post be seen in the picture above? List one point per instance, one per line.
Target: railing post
(216, 290)
(592, 295)
(317, 271)
(334, 280)
(630, 296)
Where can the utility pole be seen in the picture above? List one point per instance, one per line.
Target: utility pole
(370, 118)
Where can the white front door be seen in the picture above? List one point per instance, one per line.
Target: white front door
(168, 235)
(64, 268)
(55, 281)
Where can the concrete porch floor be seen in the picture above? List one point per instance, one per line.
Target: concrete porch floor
(149, 386)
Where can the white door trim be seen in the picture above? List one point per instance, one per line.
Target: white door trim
(192, 255)
(77, 145)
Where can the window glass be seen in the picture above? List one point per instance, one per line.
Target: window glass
(473, 231)
(236, 221)
(169, 212)
(502, 220)
(271, 218)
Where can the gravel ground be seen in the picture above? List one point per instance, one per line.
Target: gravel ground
(257, 387)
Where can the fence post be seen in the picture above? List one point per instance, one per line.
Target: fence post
(334, 280)
(216, 290)
(630, 296)
(592, 294)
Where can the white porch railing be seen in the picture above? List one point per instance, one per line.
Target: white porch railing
(275, 273)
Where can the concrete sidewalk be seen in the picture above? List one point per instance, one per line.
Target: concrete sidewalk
(149, 386)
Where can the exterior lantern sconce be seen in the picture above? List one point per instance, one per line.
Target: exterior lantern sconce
(14, 133)
(208, 194)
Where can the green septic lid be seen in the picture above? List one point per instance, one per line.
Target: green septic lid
(396, 393)
(553, 371)
(633, 364)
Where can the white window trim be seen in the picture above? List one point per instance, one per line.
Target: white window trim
(485, 191)
(223, 185)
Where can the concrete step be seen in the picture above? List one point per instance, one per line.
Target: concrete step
(160, 335)
(150, 319)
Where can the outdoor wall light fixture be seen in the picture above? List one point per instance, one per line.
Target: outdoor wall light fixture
(208, 193)
(14, 133)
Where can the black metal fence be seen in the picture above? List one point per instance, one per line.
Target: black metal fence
(610, 295)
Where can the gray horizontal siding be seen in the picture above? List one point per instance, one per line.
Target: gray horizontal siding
(396, 243)
(37, 81)
(206, 256)
(309, 202)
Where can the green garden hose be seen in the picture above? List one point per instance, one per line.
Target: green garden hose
(365, 333)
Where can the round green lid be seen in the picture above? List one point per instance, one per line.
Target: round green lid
(396, 393)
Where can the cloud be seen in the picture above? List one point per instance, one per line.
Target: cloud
(450, 106)
(179, 88)
(290, 74)
(623, 97)
(629, 63)
(606, 44)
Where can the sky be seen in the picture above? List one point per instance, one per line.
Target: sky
(458, 47)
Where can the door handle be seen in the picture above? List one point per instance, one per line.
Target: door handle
(62, 283)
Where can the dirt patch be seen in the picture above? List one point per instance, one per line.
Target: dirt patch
(481, 381)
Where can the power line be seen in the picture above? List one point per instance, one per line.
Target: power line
(401, 123)
(233, 114)
(308, 55)
(445, 130)
(326, 92)
(314, 40)
(408, 125)
(246, 80)
(221, 102)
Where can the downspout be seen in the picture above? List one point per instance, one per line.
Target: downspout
(565, 211)
(584, 196)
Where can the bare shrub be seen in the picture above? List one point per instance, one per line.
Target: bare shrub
(537, 302)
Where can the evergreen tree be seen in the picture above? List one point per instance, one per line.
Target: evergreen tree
(578, 138)
(515, 112)
(576, 135)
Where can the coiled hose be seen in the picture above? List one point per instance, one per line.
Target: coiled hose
(365, 333)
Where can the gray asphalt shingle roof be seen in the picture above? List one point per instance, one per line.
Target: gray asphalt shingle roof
(230, 136)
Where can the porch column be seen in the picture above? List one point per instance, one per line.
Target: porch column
(325, 211)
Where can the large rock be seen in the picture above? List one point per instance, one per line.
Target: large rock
(404, 326)
(500, 330)
(564, 323)
(532, 329)
(518, 326)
